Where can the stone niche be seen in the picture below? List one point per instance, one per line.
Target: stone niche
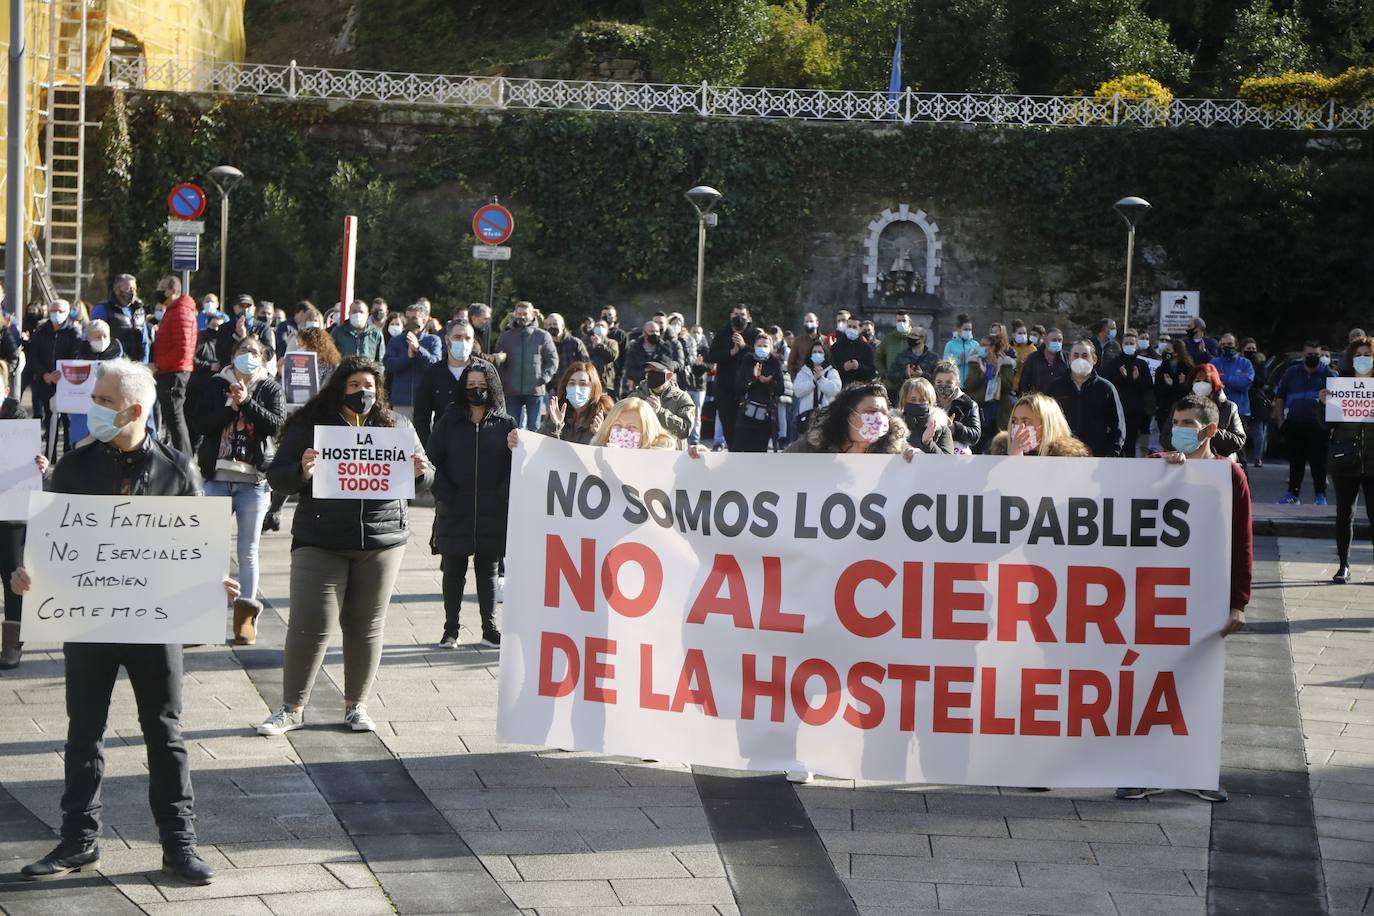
(907, 240)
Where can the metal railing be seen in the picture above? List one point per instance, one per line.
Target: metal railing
(704, 100)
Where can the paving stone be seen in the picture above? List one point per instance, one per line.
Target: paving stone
(243, 882)
(702, 864)
(1026, 900)
(525, 842)
(1256, 873)
(647, 797)
(570, 819)
(369, 901)
(352, 874)
(391, 818)
(496, 798)
(935, 824)
(1346, 850)
(1106, 878)
(416, 852)
(1157, 905)
(287, 852)
(931, 871)
(436, 892)
(600, 865)
(549, 894)
(1346, 829)
(1001, 805)
(1086, 831)
(878, 842)
(642, 891)
(234, 906)
(648, 838)
(1129, 854)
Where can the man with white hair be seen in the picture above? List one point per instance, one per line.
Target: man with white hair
(570, 347)
(122, 459)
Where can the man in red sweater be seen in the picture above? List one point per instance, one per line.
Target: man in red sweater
(1195, 422)
(174, 351)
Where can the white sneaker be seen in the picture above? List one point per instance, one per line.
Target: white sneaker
(448, 642)
(282, 721)
(801, 777)
(356, 718)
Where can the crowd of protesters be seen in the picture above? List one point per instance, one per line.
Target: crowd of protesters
(207, 409)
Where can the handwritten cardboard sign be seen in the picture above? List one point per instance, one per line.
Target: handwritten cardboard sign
(1349, 400)
(20, 443)
(126, 569)
(75, 385)
(364, 462)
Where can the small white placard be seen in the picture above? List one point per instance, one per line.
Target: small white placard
(364, 462)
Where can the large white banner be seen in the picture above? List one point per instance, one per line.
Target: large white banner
(959, 619)
(126, 569)
(364, 462)
(21, 441)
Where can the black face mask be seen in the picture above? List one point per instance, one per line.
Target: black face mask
(1311, 361)
(917, 415)
(360, 401)
(656, 380)
(519, 322)
(651, 339)
(478, 397)
(739, 321)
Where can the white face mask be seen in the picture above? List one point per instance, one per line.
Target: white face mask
(1202, 389)
(98, 344)
(1081, 366)
(357, 319)
(311, 324)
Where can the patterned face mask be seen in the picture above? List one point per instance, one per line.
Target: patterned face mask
(623, 437)
(872, 426)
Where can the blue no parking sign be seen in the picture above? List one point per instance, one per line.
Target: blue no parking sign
(493, 224)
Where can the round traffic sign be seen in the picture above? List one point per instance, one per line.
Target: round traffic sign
(186, 201)
(493, 224)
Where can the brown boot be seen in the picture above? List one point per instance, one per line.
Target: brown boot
(246, 612)
(11, 648)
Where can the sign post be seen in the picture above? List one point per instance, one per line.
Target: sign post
(493, 225)
(1177, 307)
(350, 251)
(186, 203)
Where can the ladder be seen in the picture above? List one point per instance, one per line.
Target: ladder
(65, 143)
(38, 269)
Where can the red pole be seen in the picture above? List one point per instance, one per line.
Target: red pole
(350, 250)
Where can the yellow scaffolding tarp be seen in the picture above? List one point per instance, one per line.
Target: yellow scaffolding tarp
(189, 31)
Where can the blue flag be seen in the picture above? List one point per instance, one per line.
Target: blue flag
(894, 82)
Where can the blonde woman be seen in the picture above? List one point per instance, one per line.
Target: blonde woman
(632, 424)
(928, 424)
(1038, 427)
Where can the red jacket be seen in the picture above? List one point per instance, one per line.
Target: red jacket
(174, 348)
(1242, 534)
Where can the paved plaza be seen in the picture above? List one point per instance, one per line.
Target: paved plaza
(432, 815)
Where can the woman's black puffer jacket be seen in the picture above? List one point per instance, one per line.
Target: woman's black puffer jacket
(339, 524)
(472, 466)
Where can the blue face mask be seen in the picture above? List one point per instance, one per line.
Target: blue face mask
(459, 349)
(851, 333)
(1055, 346)
(817, 358)
(1187, 439)
(1128, 349)
(760, 353)
(101, 422)
(247, 363)
(248, 319)
(578, 396)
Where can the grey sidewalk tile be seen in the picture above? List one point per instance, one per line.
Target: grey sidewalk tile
(820, 797)
(1126, 854)
(1001, 805)
(934, 824)
(1228, 901)
(245, 882)
(569, 819)
(359, 902)
(673, 890)
(1351, 897)
(599, 865)
(701, 863)
(466, 819)
(1172, 808)
(868, 892)
(1156, 905)
(1004, 850)
(288, 852)
(234, 906)
(931, 871)
(1140, 878)
(436, 892)
(646, 797)
(391, 818)
(525, 842)
(648, 838)
(554, 894)
(352, 874)
(877, 842)
(454, 799)
(1346, 829)
(1086, 831)
(1025, 900)
(1346, 850)
(416, 852)
(1257, 873)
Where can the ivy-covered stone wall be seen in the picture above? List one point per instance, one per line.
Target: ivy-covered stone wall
(1273, 227)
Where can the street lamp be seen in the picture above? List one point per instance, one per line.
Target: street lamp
(1131, 210)
(703, 199)
(225, 177)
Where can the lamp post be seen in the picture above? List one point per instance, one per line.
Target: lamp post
(225, 177)
(1131, 209)
(703, 199)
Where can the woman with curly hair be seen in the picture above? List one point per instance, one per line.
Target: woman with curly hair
(857, 422)
(345, 553)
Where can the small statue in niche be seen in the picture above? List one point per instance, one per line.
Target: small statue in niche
(901, 278)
